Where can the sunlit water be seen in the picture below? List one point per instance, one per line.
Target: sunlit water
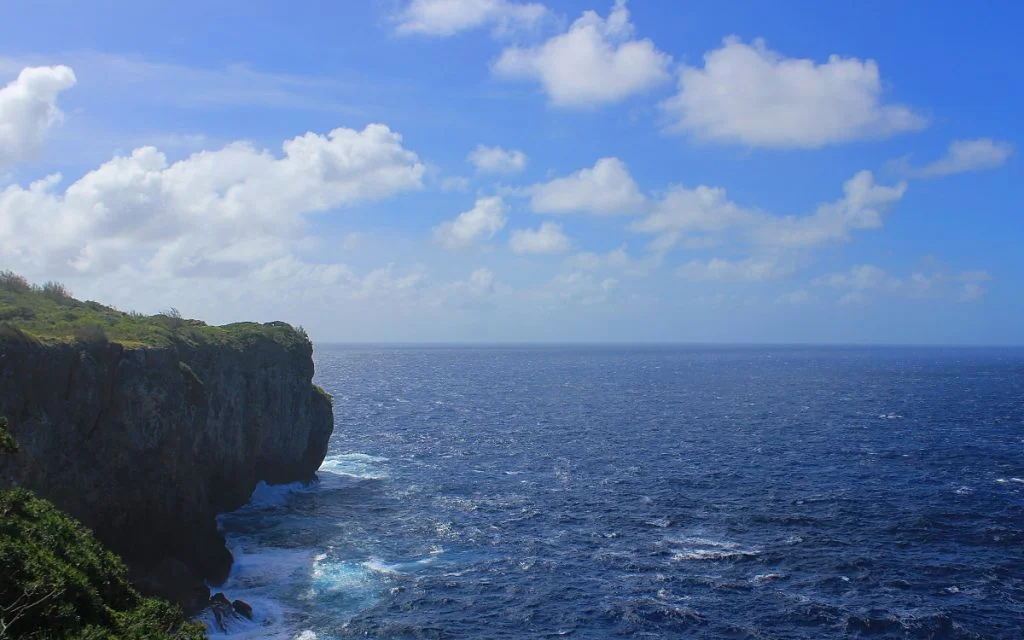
(649, 492)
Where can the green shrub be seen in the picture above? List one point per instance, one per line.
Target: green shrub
(49, 313)
(59, 582)
(57, 292)
(8, 444)
(13, 282)
(11, 333)
(91, 334)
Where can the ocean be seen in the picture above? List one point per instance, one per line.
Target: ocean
(649, 492)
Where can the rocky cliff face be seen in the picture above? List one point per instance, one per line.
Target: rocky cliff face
(145, 445)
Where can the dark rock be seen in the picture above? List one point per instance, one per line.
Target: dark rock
(243, 608)
(218, 617)
(146, 445)
(220, 599)
(172, 580)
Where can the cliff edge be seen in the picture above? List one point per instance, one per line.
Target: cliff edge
(144, 428)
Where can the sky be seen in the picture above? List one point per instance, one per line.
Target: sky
(513, 171)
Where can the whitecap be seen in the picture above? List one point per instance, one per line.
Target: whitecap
(379, 566)
(766, 577)
(354, 465)
(697, 548)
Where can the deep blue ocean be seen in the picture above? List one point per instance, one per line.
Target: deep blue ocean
(649, 492)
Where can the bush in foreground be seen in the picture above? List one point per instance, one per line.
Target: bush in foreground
(59, 582)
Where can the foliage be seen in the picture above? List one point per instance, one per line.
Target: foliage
(49, 313)
(7, 442)
(90, 334)
(324, 393)
(57, 292)
(12, 334)
(11, 281)
(59, 582)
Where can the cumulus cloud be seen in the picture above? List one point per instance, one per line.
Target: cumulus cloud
(706, 212)
(590, 261)
(747, 270)
(28, 109)
(700, 210)
(748, 94)
(605, 189)
(213, 213)
(497, 160)
(595, 62)
(966, 156)
(862, 207)
(860, 282)
(486, 218)
(448, 17)
(548, 238)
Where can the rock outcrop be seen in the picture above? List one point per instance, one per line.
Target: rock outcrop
(147, 444)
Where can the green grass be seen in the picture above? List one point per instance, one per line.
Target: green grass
(49, 313)
(59, 582)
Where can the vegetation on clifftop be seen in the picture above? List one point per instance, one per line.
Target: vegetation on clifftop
(49, 313)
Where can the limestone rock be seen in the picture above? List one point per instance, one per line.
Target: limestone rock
(146, 445)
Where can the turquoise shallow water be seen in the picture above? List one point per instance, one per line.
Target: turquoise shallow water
(589, 492)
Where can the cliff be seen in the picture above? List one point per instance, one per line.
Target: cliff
(146, 442)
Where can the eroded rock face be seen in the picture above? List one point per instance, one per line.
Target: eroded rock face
(146, 445)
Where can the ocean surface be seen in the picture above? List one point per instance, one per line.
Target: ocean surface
(649, 492)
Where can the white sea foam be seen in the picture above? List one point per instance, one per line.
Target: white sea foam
(355, 465)
(379, 566)
(330, 576)
(698, 548)
(276, 579)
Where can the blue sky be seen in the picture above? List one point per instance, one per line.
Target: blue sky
(496, 170)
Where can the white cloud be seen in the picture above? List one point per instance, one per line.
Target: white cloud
(862, 207)
(861, 281)
(589, 261)
(28, 109)
(748, 270)
(703, 209)
(352, 240)
(966, 156)
(497, 160)
(605, 189)
(851, 298)
(213, 213)
(747, 94)
(486, 218)
(707, 211)
(800, 296)
(596, 62)
(577, 288)
(448, 17)
(548, 238)
(455, 183)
